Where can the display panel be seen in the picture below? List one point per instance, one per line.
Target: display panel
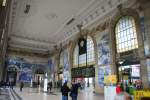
(83, 72)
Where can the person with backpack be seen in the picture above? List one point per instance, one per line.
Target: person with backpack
(65, 90)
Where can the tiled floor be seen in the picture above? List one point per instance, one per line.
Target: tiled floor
(37, 94)
(4, 94)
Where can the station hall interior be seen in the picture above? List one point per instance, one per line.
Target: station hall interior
(100, 46)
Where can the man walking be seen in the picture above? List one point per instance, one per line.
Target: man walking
(21, 86)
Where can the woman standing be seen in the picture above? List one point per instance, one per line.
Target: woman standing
(64, 90)
(74, 91)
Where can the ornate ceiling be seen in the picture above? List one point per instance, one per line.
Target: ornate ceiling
(50, 22)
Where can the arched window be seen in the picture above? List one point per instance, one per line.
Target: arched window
(126, 35)
(90, 51)
(82, 58)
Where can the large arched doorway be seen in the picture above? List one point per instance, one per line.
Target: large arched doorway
(126, 39)
(84, 63)
(39, 77)
(11, 75)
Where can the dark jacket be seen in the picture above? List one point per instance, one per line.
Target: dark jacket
(21, 85)
(74, 89)
(64, 90)
(50, 84)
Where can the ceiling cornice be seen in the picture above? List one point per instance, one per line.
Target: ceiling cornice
(27, 52)
(33, 48)
(33, 39)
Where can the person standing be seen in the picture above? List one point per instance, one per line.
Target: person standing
(21, 86)
(11, 84)
(50, 84)
(74, 91)
(118, 89)
(65, 90)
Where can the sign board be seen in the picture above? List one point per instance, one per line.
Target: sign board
(83, 72)
(139, 94)
(113, 79)
(110, 79)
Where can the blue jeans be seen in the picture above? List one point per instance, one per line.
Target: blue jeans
(74, 97)
(64, 97)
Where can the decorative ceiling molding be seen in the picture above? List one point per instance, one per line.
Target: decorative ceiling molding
(18, 19)
(33, 48)
(94, 11)
(33, 39)
(103, 24)
(26, 52)
(29, 43)
(89, 14)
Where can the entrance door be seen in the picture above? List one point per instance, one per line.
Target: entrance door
(39, 77)
(87, 83)
(129, 73)
(11, 77)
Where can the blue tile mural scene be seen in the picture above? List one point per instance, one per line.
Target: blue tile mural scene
(25, 68)
(104, 50)
(103, 72)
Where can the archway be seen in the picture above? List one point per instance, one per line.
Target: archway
(11, 74)
(38, 77)
(83, 68)
(127, 45)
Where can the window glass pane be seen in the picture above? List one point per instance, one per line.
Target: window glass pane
(126, 36)
(82, 58)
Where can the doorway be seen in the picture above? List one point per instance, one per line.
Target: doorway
(129, 73)
(11, 76)
(87, 83)
(39, 78)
